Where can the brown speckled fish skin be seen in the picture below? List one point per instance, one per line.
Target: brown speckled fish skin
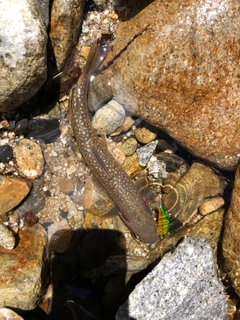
(106, 169)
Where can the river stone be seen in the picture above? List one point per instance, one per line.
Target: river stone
(66, 16)
(182, 74)
(8, 314)
(184, 285)
(7, 239)
(23, 41)
(231, 238)
(12, 192)
(23, 270)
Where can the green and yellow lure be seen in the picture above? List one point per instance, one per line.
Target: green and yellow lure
(163, 222)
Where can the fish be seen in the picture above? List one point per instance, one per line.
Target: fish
(163, 222)
(119, 186)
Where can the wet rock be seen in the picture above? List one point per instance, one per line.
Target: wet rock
(108, 118)
(131, 165)
(211, 205)
(60, 236)
(117, 152)
(145, 153)
(7, 239)
(21, 126)
(29, 159)
(43, 130)
(98, 97)
(12, 192)
(183, 285)
(6, 153)
(144, 135)
(65, 185)
(23, 270)
(172, 161)
(231, 243)
(8, 314)
(199, 183)
(44, 5)
(129, 146)
(157, 168)
(127, 124)
(96, 200)
(66, 19)
(186, 82)
(23, 50)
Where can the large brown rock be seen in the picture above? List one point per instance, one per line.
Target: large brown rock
(231, 237)
(182, 74)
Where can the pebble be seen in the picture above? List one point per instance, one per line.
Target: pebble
(117, 152)
(131, 165)
(127, 124)
(23, 50)
(7, 239)
(8, 314)
(26, 264)
(129, 146)
(211, 205)
(60, 236)
(143, 135)
(29, 159)
(21, 126)
(96, 201)
(12, 192)
(43, 130)
(6, 153)
(65, 185)
(108, 118)
(184, 285)
(145, 153)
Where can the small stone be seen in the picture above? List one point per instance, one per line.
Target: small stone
(145, 153)
(184, 285)
(84, 52)
(65, 185)
(144, 135)
(211, 205)
(60, 236)
(96, 201)
(117, 152)
(8, 314)
(127, 124)
(6, 153)
(29, 159)
(7, 239)
(12, 192)
(131, 165)
(107, 119)
(24, 270)
(129, 146)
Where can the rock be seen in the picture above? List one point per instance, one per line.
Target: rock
(66, 17)
(198, 184)
(8, 314)
(96, 200)
(131, 165)
(211, 205)
(184, 82)
(7, 239)
(23, 49)
(12, 192)
(144, 153)
(29, 159)
(117, 152)
(65, 185)
(6, 153)
(60, 236)
(129, 146)
(231, 243)
(127, 124)
(24, 270)
(108, 118)
(144, 135)
(184, 285)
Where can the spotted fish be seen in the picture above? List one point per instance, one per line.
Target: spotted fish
(132, 208)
